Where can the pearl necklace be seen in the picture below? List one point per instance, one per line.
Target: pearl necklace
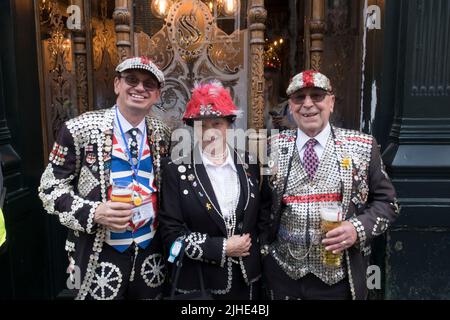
(230, 220)
(217, 159)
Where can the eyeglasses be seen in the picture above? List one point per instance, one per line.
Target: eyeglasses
(316, 96)
(149, 84)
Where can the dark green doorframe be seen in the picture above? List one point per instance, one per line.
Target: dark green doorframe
(416, 86)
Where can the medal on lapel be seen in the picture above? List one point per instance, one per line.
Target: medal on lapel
(106, 156)
(88, 149)
(137, 200)
(108, 142)
(346, 162)
(90, 158)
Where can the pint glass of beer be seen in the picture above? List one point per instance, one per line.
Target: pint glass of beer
(331, 217)
(121, 192)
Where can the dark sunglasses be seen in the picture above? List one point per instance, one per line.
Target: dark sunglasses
(149, 85)
(316, 96)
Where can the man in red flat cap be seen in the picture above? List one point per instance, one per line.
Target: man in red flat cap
(103, 181)
(322, 176)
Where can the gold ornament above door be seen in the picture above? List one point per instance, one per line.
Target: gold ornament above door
(190, 47)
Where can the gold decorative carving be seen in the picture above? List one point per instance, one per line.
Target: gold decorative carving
(157, 48)
(104, 39)
(257, 14)
(316, 60)
(317, 30)
(190, 27)
(257, 88)
(59, 45)
(317, 26)
(121, 17)
(80, 53)
(105, 55)
(61, 103)
(191, 48)
(58, 80)
(228, 55)
(257, 17)
(82, 87)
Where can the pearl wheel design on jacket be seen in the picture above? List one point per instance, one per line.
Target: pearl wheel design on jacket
(106, 282)
(153, 270)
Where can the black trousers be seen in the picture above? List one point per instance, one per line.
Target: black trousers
(279, 286)
(113, 278)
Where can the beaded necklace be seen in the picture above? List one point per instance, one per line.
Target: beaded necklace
(230, 220)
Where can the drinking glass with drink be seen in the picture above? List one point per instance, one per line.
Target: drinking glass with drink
(331, 218)
(121, 192)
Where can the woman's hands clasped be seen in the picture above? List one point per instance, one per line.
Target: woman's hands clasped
(239, 245)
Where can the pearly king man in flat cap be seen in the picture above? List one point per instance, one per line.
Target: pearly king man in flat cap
(326, 199)
(103, 182)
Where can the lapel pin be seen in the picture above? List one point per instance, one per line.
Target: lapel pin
(208, 206)
(346, 162)
(191, 177)
(181, 169)
(90, 158)
(185, 192)
(183, 177)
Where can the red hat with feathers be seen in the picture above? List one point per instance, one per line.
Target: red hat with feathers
(210, 100)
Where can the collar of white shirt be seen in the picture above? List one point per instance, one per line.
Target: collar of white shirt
(126, 125)
(321, 138)
(228, 161)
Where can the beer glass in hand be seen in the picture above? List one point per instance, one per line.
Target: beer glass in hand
(121, 192)
(331, 218)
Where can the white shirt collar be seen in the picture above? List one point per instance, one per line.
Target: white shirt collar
(126, 125)
(228, 161)
(321, 138)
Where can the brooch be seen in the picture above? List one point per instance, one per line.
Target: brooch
(346, 162)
